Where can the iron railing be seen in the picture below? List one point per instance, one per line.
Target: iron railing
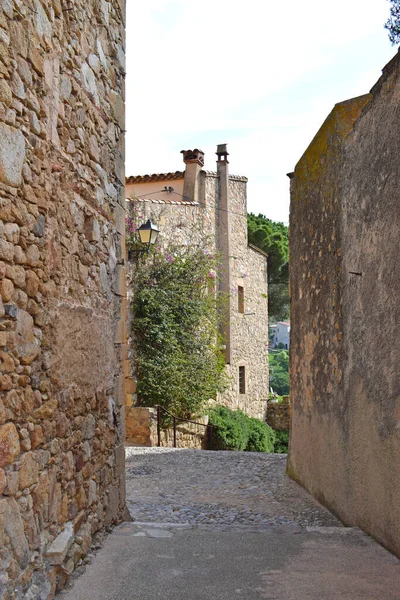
(209, 428)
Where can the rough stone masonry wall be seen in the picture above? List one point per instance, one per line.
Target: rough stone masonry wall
(249, 331)
(61, 285)
(345, 445)
(278, 414)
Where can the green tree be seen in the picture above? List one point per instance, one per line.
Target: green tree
(393, 23)
(272, 238)
(279, 372)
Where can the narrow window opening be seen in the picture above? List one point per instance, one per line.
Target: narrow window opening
(242, 380)
(240, 299)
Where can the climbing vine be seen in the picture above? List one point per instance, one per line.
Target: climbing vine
(178, 359)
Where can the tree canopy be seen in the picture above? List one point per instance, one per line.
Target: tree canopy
(272, 237)
(393, 23)
(279, 372)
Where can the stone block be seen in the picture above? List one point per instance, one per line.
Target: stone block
(119, 219)
(14, 528)
(9, 444)
(120, 281)
(27, 345)
(6, 249)
(29, 471)
(92, 229)
(60, 546)
(2, 482)
(5, 93)
(12, 155)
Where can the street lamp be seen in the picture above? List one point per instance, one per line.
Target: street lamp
(148, 233)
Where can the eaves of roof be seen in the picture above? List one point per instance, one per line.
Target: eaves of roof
(258, 250)
(166, 201)
(176, 175)
(155, 177)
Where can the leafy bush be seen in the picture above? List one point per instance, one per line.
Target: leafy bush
(281, 441)
(230, 429)
(233, 430)
(179, 361)
(261, 437)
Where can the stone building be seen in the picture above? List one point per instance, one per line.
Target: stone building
(61, 285)
(194, 205)
(345, 312)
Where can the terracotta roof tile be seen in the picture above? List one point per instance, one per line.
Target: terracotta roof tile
(155, 177)
(166, 201)
(232, 177)
(176, 175)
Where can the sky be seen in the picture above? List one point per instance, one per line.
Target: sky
(261, 76)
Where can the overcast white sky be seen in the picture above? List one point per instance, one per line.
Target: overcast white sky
(259, 75)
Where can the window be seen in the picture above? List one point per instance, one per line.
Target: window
(240, 299)
(242, 380)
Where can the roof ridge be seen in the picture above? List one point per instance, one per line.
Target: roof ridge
(158, 201)
(155, 177)
(176, 175)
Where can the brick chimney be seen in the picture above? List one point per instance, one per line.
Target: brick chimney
(194, 161)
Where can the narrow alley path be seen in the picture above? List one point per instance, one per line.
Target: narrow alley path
(218, 488)
(226, 525)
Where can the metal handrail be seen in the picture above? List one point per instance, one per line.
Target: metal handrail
(174, 420)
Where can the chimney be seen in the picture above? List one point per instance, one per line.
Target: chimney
(194, 161)
(224, 239)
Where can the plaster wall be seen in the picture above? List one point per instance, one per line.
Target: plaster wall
(62, 286)
(345, 445)
(153, 190)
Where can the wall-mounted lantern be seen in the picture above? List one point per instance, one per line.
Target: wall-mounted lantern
(148, 233)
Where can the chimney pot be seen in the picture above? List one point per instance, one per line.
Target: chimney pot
(222, 153)
(193, 156)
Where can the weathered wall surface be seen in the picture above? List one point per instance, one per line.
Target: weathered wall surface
(61, 285)
(345, 224)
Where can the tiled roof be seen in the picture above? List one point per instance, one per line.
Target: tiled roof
(258, 250)
(167, 201)
(233, 177)
(174, 176)
(155, 177)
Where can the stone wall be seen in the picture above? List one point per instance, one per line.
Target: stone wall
(142, 430)
(279, 413)
(344, 237)
(61, 286)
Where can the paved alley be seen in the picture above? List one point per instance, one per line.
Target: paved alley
(229, 525)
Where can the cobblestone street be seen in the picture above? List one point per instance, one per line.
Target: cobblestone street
(217, 488)
(229, 525)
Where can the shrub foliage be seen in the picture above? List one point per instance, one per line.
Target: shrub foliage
(281, 441)
(233, 430)
(179, 361)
